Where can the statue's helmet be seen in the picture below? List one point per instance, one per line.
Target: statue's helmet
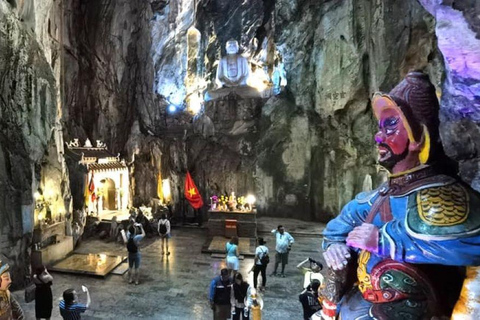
(232, 46)
(3, 268)
(416, 101)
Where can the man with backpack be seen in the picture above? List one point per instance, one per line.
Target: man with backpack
(219, 295)
(164, 232)
(260, 263)
(134, 256)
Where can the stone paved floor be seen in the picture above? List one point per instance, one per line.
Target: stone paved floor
(177, 288)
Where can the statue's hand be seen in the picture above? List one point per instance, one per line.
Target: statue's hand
(337, 256)
(364, 237)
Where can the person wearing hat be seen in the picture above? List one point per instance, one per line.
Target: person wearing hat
(413, 235)
(219, 295)
(9, 307)
(260, 264)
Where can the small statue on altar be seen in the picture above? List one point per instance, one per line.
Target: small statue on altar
(213, 202)
(233, 70)
(413, 235)
(232, 202)
(9, 307)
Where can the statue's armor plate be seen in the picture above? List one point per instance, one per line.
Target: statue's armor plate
(443, 213)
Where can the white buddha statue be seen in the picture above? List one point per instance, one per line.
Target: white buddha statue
(233, 69)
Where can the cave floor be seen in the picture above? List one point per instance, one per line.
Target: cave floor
(177, 288)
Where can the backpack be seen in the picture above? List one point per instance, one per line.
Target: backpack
(162, 228)
(265, 259)
(131, 246)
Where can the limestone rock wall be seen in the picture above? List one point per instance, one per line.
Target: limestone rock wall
(28, 111)
(460, 102)
(336, 53)
(127, 63)
(106, 69)
(121, 64)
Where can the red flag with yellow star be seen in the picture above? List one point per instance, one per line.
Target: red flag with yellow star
(191, 192)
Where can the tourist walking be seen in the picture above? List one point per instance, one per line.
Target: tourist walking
(260, 264)
(43, 293)
(70, 308)
(219, 295)
(238, 296)
(232, 255)
(164, 232)
(134, 256)
(283, 246)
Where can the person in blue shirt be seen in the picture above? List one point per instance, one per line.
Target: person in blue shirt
(232, 261)
(219, 295)
(70, 309)
(283, 246)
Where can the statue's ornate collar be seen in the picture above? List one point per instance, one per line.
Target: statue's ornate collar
(418, 177)
(411, 175)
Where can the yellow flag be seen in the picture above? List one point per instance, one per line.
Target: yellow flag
(86, 192)
(159, 187)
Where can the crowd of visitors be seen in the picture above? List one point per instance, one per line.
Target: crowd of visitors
(230, 296)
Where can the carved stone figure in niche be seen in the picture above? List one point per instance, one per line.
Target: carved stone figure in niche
(9, 307)
(233, 70)
(413, 234)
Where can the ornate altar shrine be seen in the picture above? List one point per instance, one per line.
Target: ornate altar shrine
(220, 221)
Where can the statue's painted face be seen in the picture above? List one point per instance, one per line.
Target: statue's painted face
(391, 138)
(6, 281)
(232, 47)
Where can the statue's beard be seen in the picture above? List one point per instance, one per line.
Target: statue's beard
(390, 162)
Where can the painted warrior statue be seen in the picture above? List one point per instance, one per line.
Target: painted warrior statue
(413, 236)
(9, 307)
(233, 69)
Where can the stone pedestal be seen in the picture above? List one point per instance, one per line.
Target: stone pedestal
(43, 234)
(53, 252)
(54, 244)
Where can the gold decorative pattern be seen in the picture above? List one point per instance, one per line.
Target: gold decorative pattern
(364, 280)
(443, 206)
(4, 303)
(468, 304)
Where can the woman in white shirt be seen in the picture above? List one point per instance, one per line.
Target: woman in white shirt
(164, 232)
